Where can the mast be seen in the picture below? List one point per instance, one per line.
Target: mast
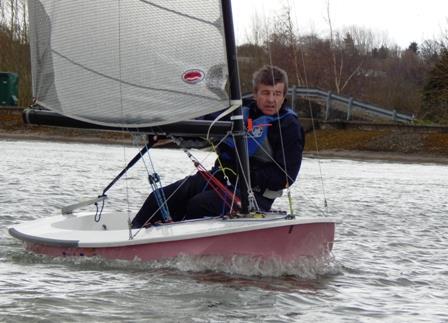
(235, 99)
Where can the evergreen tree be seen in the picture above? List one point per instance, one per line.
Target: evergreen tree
(413, 47)
(435, 93)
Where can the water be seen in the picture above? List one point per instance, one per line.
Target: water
(390, 262)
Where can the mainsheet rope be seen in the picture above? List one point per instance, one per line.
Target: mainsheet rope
(124, 129)
(287, 187)
(305, 74)
(281, 168)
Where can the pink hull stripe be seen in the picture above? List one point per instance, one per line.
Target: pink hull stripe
(284, 243)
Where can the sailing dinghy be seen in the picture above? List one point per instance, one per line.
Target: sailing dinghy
(151, 67)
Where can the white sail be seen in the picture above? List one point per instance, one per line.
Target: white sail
(129, 63)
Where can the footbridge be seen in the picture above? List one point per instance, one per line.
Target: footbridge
(348, 105)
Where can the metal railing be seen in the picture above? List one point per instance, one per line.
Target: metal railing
(349, 104)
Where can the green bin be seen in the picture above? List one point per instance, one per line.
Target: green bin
(8, 88)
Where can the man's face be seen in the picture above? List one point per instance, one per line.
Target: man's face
(270, 98)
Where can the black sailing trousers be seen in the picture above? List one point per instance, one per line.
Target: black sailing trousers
(188, 198)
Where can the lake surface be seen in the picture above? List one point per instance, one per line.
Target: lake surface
(389, 264)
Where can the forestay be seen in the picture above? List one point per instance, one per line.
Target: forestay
(129, 63)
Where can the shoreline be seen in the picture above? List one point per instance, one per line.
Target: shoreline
(395, 157)
(343, 140)
(356, 154)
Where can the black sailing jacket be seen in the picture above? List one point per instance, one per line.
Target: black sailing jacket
(267, 174)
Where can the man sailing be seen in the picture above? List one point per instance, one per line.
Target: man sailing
(275, 144)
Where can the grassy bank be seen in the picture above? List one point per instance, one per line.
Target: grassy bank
(389, 145)
(379, 141)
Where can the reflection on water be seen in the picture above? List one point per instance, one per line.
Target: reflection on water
(389, 262)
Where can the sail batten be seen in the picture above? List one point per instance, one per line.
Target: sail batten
(129, 63)
(176, 12)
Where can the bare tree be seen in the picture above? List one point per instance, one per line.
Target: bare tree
(340, 80)
(286, 27)
(430, 50)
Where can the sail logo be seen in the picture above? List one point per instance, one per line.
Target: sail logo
(193, 76)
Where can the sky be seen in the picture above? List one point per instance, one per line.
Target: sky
(404, 21)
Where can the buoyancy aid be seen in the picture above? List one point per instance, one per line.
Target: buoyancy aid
(258, 134)
(259, 147)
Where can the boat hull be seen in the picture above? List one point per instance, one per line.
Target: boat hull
(273, 237)
(286, 243)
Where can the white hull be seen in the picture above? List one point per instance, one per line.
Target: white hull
(273, 236)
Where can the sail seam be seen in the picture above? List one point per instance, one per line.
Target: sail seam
(177, 12)
(129, 83)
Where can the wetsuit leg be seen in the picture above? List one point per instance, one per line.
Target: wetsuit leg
(177, 194)
(206, 203)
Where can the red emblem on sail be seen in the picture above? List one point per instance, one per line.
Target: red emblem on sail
(193, 76)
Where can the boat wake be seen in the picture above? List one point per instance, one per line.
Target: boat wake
(307, 268)
(303, 267)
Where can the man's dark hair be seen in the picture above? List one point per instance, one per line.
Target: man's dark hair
(270, 75)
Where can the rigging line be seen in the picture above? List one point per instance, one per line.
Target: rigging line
(220, 189)
(299, 79)
(219, 159)
(161, 206)
(166, 200)
(271, 158)
(283, 170)
(234, 193)
(287, 186)
(124, 130)
(305, 74)
(160, 194)
(160, 198)
(216, 186)
(288, 190)
(119, 80)
(179, 13)
(99, 212)
(233, 106)
(222, 140)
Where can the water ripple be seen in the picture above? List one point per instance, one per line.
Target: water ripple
(389, 262)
